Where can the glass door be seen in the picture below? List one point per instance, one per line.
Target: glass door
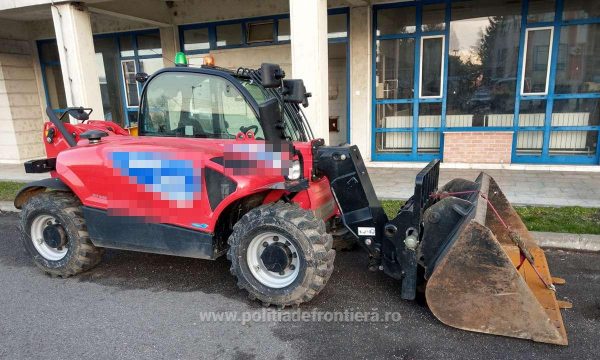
(410, 61)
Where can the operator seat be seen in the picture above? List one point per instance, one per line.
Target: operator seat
(185, 119)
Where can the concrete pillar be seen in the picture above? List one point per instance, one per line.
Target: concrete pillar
(170, 44)
(77, 57)
(360, 79)
(308, 21)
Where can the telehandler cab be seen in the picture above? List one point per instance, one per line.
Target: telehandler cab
(226, 163)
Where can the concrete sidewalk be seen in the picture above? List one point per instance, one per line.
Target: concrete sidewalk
(16, 172)
(531, 187)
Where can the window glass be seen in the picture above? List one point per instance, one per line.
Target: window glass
(260, 95)
(55, 87)
(532, 113)
(228, 35)
(537, 66)
(196, 39)
(394, 115)
(529, 142)
(578, 67)
(580, 9)
(49, 52)
(577, 142)
(434, 17)
(259, 31)
(431, 67)
(131, 88)
(283, 31)
(126, 45)
(482, 63)
(196, 105)
(576, 112)
(540, 11)
(150, 66)
(394, 142)
(337, 26)
(395, 68)
(111, 84)
(400, 20)
(428, 142)
(149, 44)
(430, 115)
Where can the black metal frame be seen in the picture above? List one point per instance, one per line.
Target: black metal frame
(392, 244)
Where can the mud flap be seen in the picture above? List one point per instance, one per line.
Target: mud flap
(477, 284)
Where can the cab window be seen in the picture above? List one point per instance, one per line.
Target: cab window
(196, 105)
(261, 95)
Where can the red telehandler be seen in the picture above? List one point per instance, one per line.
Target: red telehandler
(226, 164)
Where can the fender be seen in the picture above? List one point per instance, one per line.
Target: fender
(39, 186)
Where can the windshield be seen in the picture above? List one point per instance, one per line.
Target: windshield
(196, 105)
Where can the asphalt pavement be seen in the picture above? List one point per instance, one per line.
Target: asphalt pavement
(136, 305)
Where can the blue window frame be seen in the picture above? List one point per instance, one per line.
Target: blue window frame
(556, 133)
(408, 117)
(135, 55)
(545, 128)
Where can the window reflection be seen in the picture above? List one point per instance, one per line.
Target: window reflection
(400, 20)
(228, 35)
(537, 64)
(482, 70)
(196, 39)
(532, 113)
(434, 17)
(540, 11)
(578, 67)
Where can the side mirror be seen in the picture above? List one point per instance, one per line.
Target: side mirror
(295, 92)
(271, 75)
(141, 77)
(271, 120)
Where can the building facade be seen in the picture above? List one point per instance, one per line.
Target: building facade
(494, 82)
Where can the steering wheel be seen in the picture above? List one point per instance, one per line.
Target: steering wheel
(245, 129)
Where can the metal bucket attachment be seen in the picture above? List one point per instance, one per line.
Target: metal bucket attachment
(491, 276)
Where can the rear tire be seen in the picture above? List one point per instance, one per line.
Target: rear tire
(61, 210)
(301, 241)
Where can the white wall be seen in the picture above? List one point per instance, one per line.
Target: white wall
(254, 56)
(20, 112)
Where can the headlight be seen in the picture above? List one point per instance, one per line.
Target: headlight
(295, 170)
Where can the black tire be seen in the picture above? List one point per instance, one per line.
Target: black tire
(306, 233)
(81, 254)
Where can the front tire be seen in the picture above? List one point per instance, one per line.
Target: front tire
(54, 233)
(281, 254)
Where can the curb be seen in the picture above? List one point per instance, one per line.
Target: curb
(8, 206)
(582, 242)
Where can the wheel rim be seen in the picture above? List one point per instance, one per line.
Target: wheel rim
(258, 268)
(37, 238)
